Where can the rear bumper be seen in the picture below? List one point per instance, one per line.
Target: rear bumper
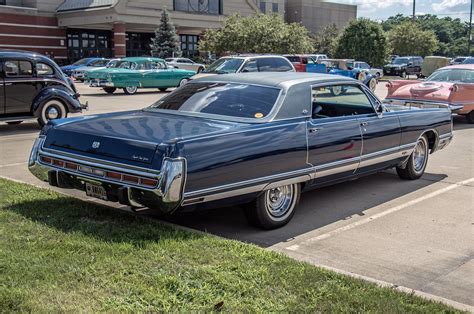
(164, 191)
(423, 104)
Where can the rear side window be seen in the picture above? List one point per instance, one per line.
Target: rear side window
(273, 65)
(294, 59)
(18, 68)
(43, 69)
(339, 101)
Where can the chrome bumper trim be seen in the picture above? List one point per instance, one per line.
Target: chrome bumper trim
(166, 197)
(423, 104)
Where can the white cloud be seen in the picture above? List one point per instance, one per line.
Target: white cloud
(374, 5)
(448, 4)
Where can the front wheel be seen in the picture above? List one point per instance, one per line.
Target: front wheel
(50, 110)
(200, 70)
(130, 90)
(274, 208)
(404, 74)
(417, 161)
(109, 90)
(183, 82)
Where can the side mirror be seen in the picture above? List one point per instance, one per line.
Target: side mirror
(380, 110)
(410, 64)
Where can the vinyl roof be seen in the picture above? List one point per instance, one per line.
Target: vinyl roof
(72, 5)
(274, 79)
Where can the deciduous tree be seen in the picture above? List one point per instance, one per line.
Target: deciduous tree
(409, 38)
(259, 33)
(325, 40)
(364, 40)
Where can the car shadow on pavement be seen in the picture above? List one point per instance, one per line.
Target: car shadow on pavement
(460, 123)
(317, 209)
(122, 94)
(26, 127)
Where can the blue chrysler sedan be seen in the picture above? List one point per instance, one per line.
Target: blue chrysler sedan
(249, 138)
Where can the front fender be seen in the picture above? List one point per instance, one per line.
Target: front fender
(69, 99)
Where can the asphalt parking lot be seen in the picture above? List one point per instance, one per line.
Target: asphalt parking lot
(416, 234)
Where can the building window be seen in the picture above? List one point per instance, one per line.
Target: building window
(88, 43)
(263, 6)
(199, 6)
(189, 45)
(138, 44)
(275, 7)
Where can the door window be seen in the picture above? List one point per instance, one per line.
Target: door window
(18, 68)
(338, 101)
(250, 66)
(43, 69)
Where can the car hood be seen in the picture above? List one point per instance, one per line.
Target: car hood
(132, 136)
(431, 91)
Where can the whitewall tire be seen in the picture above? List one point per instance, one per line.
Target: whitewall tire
(51, 110)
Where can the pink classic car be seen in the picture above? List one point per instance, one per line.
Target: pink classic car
(452, 86)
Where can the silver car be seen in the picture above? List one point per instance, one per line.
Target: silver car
(185, 64)
(378, 73)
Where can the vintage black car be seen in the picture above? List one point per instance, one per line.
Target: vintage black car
(32, 86)
(404, 66)
(249, 138)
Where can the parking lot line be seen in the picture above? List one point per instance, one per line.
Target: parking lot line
(364, 221)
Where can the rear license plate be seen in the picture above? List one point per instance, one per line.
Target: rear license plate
(96, 191)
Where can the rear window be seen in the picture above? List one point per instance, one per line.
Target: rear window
(15, 68)
(223, 99)
(293, 58)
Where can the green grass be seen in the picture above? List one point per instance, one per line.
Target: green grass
(61, 254)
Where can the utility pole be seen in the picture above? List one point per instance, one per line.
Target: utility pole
(469, 37)
(414, 6)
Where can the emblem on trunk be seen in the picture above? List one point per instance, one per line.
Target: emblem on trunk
(95, 145)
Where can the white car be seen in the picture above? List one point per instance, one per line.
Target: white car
(378, 73)
(185, 64)
(318, 57)
(79, 73)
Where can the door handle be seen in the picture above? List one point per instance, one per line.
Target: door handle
(8, 84)
(313, 130)
(364, 123)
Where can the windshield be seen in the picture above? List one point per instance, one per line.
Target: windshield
(225, 65)
(81, 62)
(223, 99)
(452, 75)
(400, 61)
(112, 64)
(468, 61)
(99, 63)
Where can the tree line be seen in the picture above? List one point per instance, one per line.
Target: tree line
(361, 39)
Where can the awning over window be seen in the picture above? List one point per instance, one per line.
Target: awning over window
(73, 5)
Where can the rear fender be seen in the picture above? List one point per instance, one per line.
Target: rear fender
(393, 86)
(63, 94)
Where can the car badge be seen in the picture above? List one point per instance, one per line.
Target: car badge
(95, 145)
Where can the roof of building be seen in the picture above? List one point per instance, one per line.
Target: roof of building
(274, 79)
(72, 5)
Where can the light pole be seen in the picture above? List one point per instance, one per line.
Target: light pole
(469, 38)
(414, 6)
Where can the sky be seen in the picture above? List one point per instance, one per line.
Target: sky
(382, 9)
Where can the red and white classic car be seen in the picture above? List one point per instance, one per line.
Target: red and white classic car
(452, 86)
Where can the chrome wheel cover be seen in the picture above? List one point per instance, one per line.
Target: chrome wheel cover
(337, 90)
(52, 113)
(183, 82)
(131, 89)
(419, 155)
(279, 201)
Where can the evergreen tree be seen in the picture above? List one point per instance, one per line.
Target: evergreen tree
(166, 42)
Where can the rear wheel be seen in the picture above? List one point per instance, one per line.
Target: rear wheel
(109, 90)
(470, 117)
(417, 161)
(51, 110)
(274, 208)
(200, 70)
(372, 84)
(130, 90)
